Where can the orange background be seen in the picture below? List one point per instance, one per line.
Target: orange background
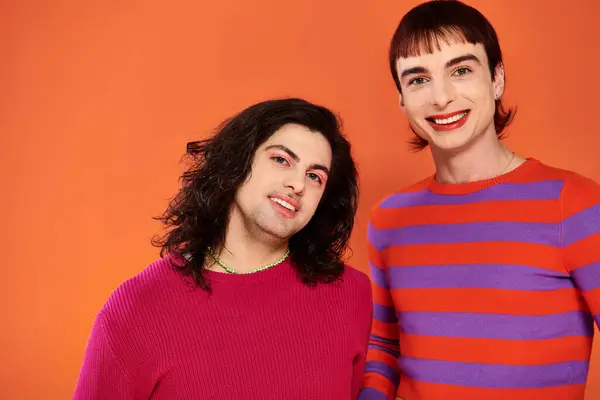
(100, 97)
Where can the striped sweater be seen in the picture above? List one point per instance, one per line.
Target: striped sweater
(485, 290)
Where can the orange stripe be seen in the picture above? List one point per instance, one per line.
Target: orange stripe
(375, 256)
(580, 193)
(381, 296)
(497, 351)
(482, 253)
(385, 330)
(379, 382)
(493, 301)
(582, 252)
(411, 389)
(593, 300)
(382, 356)
(490, 211)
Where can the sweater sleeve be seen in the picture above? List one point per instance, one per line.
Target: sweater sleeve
(381, 378)
(364, 311)
(580, 238)
(102, 375)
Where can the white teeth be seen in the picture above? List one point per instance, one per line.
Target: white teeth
(449, 120)
(284, 203)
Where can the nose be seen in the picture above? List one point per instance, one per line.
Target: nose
(442, 93)
(296, 181)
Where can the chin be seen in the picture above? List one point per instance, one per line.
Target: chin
(278, 232)
(449, 144)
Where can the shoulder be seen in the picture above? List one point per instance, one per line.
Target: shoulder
(356, 277)
(572, 181)
(360, 295)
(140, 295)
(409, 196)
(574, 185)
(357, 283)
(577, 192)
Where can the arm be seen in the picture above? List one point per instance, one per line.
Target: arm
(580, 238)
(364, 311)
(102, 374)
(381, 376)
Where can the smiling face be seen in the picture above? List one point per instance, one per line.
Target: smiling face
(449, 95)
(286, 183)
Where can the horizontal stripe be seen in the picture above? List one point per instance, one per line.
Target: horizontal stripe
(525, 211)
(496, 326)
(384, 328)
(381, 296)
(540, 233)
(597, 320)
(392, 352)
(581, 225)
(378, 276)
(588, 276)
(378, 382)
(383, 313)
(581, 253)
(368, 393)
(497, 351)
(491, 301)
(376, 354)
(592, 299)
(542, 190)
(496, 276)
(374, 256)
(411, 389)
(384, 340)
(495, 375)
(530, 254)
(383, 369)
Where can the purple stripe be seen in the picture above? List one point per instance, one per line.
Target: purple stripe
(597, 320)
(581, 225)
(489, 276)
(378, 276)
(497, 326)
(495, 375)
(383, 369)
(384, 313)
(391, 352)
(544, 190)
(588, 276)
(384, 340)
(527, 232)
(368, 393)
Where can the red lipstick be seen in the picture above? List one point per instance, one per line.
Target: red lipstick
(448, 122)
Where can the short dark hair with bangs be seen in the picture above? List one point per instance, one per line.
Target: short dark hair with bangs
(423, 28)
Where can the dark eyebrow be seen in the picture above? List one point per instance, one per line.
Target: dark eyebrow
(451, 63)
(296, 158)
(459, 59)
(413, 70)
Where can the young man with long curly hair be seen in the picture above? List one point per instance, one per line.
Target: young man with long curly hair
(250, 298)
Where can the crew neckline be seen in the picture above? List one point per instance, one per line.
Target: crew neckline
(470, 187)
(243, 279)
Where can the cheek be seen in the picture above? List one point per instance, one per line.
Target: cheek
(311, 200)
(415, 104)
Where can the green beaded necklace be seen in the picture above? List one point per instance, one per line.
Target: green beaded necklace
(233, 271)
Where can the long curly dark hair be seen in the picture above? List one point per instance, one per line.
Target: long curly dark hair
(197, 217)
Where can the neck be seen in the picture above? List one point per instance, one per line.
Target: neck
(246, 252)
(484, 159)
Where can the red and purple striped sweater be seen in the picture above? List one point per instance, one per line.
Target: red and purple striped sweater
(485, 290)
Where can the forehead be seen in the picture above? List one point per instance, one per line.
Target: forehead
(310, 146)
(441, 54)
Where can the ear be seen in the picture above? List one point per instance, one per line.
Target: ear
(498, 80)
